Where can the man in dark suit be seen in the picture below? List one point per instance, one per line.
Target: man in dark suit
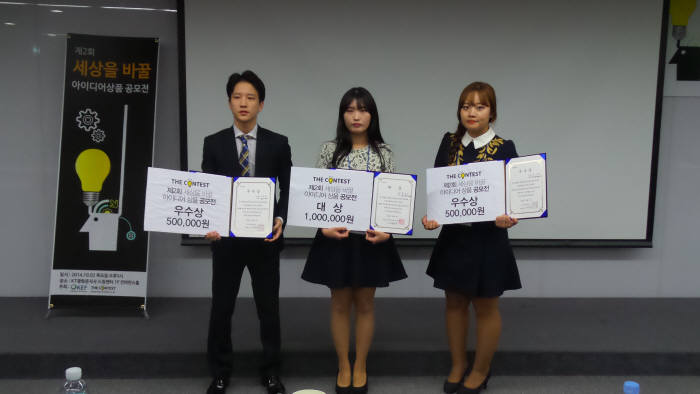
(245, 149)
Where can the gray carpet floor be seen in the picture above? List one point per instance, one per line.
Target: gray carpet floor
(541, 337)
(378, 385)
(179, 325)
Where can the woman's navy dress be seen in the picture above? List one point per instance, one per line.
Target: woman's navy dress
(476, 260)
(354, 261)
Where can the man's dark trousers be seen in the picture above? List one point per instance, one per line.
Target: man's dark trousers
(231, 257)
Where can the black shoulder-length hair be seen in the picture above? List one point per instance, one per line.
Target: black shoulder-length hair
(343, 140)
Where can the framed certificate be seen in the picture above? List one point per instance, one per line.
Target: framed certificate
(393, 203)
(325, 198)
(473, 192)
(252, 207)
(187, 202)
(482, 191)
(526, 186)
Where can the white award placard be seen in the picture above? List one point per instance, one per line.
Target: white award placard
(526, 186)
(325, 198)
(473, 192)
(393, 203)
(252, 207)
(187, 202)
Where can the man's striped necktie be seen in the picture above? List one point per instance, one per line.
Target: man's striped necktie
(243, 158)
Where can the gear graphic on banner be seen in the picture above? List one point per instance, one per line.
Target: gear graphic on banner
(87, 119)
(98, 135)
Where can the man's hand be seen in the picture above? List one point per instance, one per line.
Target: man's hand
(212, 236)
(376, 237)
(505, 221)
(430, 224)
(336, 232)
(276, 231)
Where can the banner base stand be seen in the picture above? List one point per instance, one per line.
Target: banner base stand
(144, 312)
(93, 307)
(48, 312)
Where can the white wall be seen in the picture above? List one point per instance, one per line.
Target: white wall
(669, 269)
(29, 135)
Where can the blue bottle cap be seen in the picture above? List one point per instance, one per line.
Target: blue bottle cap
(630, 387)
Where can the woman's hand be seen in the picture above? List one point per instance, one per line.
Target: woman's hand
(336, 232)
(505, 221)
(430, 224)
(212, 236)
(376, 237)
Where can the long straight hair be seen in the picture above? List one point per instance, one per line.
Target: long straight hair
(343, 140)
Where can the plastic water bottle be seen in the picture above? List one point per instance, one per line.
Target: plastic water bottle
(74, 382)
(630, 387)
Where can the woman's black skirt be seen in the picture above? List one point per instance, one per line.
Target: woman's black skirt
(352, 262)
(476, 260)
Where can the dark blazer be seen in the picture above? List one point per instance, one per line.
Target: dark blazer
(273, 158)
(476, 260)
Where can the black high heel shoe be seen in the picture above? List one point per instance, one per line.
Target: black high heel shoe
(451, 388)
(466, 390)
(361, 390)
(342, 390)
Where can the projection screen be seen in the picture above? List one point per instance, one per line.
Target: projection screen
(577, 80)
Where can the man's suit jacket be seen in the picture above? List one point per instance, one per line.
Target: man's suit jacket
(273, 158)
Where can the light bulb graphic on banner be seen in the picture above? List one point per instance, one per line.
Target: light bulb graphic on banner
(92, 167)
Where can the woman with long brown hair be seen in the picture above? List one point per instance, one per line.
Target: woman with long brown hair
(473, 263)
